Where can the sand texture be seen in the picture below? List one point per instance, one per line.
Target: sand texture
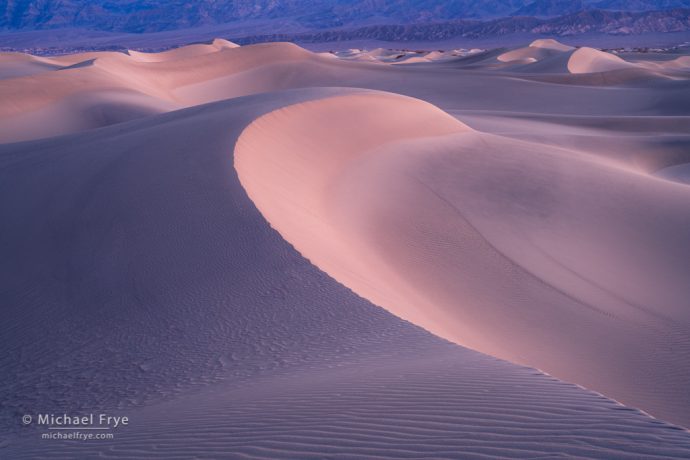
(263, 252)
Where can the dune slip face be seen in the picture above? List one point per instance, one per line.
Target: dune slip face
(490, 243)
(262, 252)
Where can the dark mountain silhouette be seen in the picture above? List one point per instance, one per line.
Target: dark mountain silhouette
(160, 15)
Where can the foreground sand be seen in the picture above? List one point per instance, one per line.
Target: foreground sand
(530, 217)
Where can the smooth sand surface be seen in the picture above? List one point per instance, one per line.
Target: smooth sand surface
(453, 231)
(538, 50)
(589, 60)
(230, 304)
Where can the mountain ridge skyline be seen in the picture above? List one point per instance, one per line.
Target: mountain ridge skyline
(141, 16)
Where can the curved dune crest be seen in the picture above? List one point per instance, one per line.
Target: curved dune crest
(183, 52)
(589, 60)
(328, 137)
(15, 65)
(681, 63)
(80, 112)
(551, 44)
(537, 51)
(223, 43)
(489, 242)
(177, 53)
(523, 55)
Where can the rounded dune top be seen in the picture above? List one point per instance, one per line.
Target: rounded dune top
(536, 51)
(14, 65)
(590, 60)
(680, 63)
(379, 52)
(183, 52)
(223, 43)
(550, 44)
(381, 118)
(439, 56)
(523, 55)
(279, 150)
(683, 61)
(11, 58)
(78, 58)
(173, 54)
(293, 161)
(416, 60)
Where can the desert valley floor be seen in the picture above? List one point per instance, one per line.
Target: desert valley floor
(265, 252)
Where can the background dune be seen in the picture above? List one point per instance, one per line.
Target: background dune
(588, 60)
(217, 71)
(536, 51)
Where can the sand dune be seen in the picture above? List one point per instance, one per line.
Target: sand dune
(204, 73)
(156, 82)
(183, 52)
(306, 179)
(222, 340)
(680, 63)
(538, 216)
(14, 65)
(179, 78)
(550, 44)
(425, 228)
(588, 60)
(551, 57)
(82, 111)
(536, 51)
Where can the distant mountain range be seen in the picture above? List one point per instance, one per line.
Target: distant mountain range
(547, 8)
(299, 15)
(595, 21)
